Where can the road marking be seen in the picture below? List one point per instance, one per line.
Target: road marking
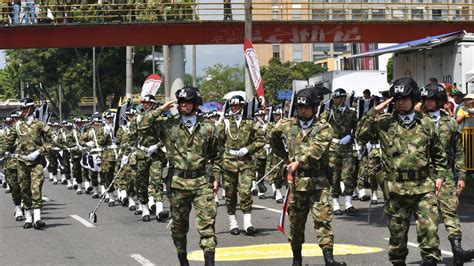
(411, 244)
(142, 260)
(278, 251)
(266, 208)
(81, 220)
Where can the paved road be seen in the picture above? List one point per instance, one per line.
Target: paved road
(121, 238)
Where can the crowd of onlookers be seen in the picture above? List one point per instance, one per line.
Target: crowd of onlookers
(16, 12)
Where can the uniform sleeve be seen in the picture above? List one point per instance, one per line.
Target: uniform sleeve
(258, 141)
(8, 142)
(276, 141)
(459, 162)
(317, 146)
(368, 126)
(438, 155)
(102, 137)
(47, 140)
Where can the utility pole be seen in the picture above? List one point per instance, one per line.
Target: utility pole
(194, 66)
(60, 102)
(248, 35)
(128, 72)
(94, 108)
(166, 69)
(153, 59)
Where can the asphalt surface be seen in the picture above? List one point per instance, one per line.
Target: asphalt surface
(121, 238)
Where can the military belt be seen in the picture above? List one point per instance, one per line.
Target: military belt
(189, 174)
(409, 175)
(308, 174)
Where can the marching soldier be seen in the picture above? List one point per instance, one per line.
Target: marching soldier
(65, 140)
(260, 157)
(76, 155)
(434, 97)
(31, 140)
(241, 138)
(303, 142)
(191, 143)
(53, 155)
(11, 168)
(92, 158)
(275, 177)
(341, 160)
(410, 146)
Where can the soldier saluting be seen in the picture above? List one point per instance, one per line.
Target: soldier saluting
(303, 142)
(410, 145)
(191, 143)
(33, 140)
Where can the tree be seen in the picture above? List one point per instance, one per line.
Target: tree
(219, 80)
(390, 70)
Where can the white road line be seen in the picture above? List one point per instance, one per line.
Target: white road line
(142, 260)
(266, 208)
(81, 220)
(416, 245)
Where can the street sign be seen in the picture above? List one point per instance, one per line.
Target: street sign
(284, 95)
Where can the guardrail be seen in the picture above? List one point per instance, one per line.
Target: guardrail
(150, 11)
(468, 143)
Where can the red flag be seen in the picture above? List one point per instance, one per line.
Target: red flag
(254, 69)
(151, 85)
(284, 211)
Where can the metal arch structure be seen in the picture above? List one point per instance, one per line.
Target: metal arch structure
(221, 32)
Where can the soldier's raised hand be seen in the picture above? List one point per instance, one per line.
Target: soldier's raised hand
(381, 106)
(167, 105)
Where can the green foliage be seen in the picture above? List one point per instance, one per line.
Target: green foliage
(390, 70)
(219, 80)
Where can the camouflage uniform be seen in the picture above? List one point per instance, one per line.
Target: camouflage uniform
(273, 159)
(450, 138)
(310, 189)
(341, 158)
(407, 152)
(108, 158)
(260, 160)
(76, 157)
(92, 176)
(188, 154)
(53, 157)
(11, 173)
(125, 181)
(238, 172)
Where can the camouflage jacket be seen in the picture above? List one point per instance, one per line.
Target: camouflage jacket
(343, 124)
(146, 134)
(126, 137)
(187, 151)
(288, 141)
(407, 152)
(450, 137)
(262, 154)
(25, 138)
(88, 135)
(9, 163)
(106, 142)
(249, 135)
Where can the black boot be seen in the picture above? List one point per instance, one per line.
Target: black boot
(329, 258)
(460, 255)
(428, 263)
(297, 258)
(209, 258)
(183, 259)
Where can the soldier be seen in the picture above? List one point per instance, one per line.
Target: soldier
(53, 155)
(191, 143)
(275, 177)
(31, 140)
(260, 157)
(92, 158)
(76, 155)
(303, 142)
(341, 160)
(65, 141)
(11, 168)
(241, 138)
(410, 146)
(148, 158)
(434, 97)
(108, 157)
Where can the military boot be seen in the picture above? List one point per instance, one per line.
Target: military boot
(38, 223)
(28, 220)
(183, 259)
(209, 258)
(297, 258)
(459, 254)
(329, 258)
(18, 214)
(428, 263)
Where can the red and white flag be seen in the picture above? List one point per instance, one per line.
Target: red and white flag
(254, 69)
(151, 85)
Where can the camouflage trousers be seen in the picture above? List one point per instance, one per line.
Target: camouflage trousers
(66, 164)
(142, 176)
(53, 162)
(366, 177)
(31, 179)
(241, 183)
(126, 179)
(275, 176)
(260, 164)
(342, 168)
(155, 181)
(448, 203)
(205, 208)
(399, 209)
(107, 169)
(319, 202)
(11, 175)
(76, 167)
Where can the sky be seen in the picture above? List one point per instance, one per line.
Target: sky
(209, 55)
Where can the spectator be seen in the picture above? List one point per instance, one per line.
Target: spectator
(16, 12)
(30, 15)
(367, 94)
(458, 98)
(467, 111)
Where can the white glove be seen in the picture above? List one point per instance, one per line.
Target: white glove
(242, 152)
(369, 146)
(233, 152)
(124, 160)
(90, 144)
(345, 140)
(152, 149)
(6, 155)
(96, 150)
(32, 156)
